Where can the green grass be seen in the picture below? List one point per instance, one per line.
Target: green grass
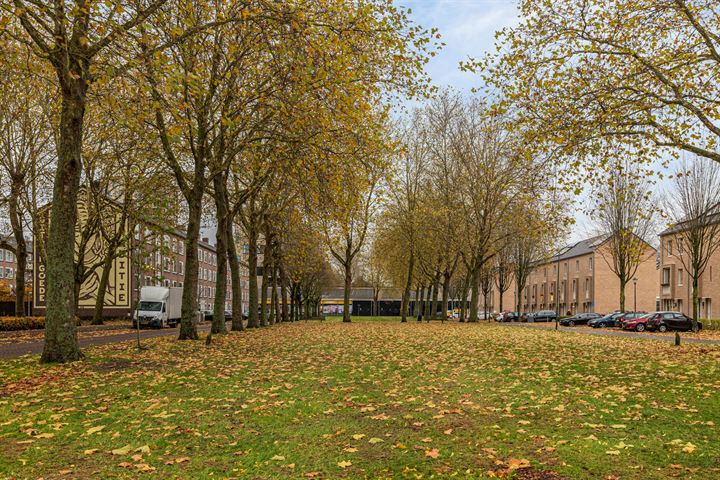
(370, 399)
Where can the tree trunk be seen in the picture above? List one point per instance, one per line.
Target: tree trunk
(252, 275)
(435, 296)
(463, 300)
(61, 343)
(20, 245)
(293, 287)
(221, 247)
(416, 303)
(695, 295)
(427, 305)
(346, 293)
(274, 307)
(188, 315)
(283, 292)
(474, 295)
(104, 278)
(445, 295)
(623, 283)
(237, 310)
(405, 304)
(421, 304)
(267, 265)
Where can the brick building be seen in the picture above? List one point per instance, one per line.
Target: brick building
(155, 256)
(587, 283)
(676, 284)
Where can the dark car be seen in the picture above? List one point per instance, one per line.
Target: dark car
(228, 315)
(527, 317)
(579, 319)
(544, 316)
(664, 321)
(610, 320)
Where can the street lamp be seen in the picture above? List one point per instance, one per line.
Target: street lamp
(635, 294)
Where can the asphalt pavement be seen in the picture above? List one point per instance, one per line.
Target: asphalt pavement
(685, 337)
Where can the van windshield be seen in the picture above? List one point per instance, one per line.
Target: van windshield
(150, 306)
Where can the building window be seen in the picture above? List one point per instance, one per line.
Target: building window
(545, 272)
(666, 276)
(577, 265)
(669, 248)
(680, 277)
(8, 273)
(590, 264)
(180, 267)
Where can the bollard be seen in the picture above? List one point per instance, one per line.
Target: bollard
(677, 339)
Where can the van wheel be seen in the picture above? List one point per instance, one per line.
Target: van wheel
(640, 327)
(602, 325)
(572, 324)
(662, 328)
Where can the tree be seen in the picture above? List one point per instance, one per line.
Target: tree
(346, 224)
(503, 274)
(405, 198)
(634, 71)
(624, 213)
(692, 207)
(71, 37)
(26, 144)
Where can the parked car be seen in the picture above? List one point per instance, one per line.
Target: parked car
(664, 321)
(579, 319)
(543, 316)
(627, 316)
(507, 317)
(609, 320)
(639, 324)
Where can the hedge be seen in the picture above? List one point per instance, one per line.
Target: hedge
(21, 323)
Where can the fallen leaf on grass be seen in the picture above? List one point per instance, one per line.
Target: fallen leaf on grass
(90, 451)
(432, 453)
(344, 464)
(518, 463)
(122, 450)
(278, 458)
(92, 430)
(375, 440)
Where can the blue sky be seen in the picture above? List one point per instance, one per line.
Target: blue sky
(467, 27)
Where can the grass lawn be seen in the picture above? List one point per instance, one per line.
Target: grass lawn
(368, 400)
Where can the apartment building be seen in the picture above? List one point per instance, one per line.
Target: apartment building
(586, 282)
(676, 284)
(8, 265)
(154, 256)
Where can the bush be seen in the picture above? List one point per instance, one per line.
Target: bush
(21, 323)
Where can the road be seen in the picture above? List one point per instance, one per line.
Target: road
(25, 348)
(619, 333)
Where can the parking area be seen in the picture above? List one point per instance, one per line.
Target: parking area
(710, 337)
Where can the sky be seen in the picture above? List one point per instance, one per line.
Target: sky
(468, 29)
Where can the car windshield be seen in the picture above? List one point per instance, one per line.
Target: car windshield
(150, 306)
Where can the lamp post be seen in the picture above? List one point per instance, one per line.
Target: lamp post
(635, 280)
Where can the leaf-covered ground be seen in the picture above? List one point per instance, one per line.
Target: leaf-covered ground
(368, 400)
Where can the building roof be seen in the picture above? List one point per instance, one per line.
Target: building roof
(713, 217)
(583, 247)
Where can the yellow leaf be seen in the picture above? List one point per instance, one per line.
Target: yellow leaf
(92, 430)
(122, 450)
(344, 464)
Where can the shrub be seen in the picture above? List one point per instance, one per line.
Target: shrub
(21, 323)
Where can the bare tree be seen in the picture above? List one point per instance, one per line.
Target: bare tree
(692, 208)
(624, 212)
